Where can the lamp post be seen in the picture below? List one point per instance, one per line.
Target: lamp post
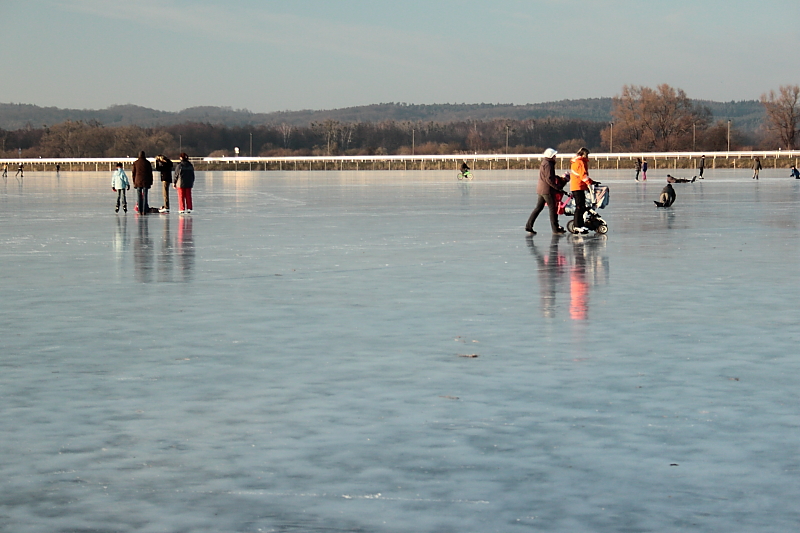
(611, 141)
(694, 137)
(251, 149)
(506, 139)
(729, 135)
(180, 144)
(413, 131)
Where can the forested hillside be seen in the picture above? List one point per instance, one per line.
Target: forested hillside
(747, 115)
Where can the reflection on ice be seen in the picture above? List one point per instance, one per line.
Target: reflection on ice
(572, 273)
(185, 248)
(162, 258)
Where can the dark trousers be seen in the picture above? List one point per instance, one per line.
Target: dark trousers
(165, 185)
(121, 195)
(141, 200)
(580, 208)
(551, 203)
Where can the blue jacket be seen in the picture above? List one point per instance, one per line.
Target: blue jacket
(119, 180)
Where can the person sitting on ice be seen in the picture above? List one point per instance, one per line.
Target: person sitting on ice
(671, 179)
(795, 173)
(667, 197)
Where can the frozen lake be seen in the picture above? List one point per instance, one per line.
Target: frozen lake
(291, 357)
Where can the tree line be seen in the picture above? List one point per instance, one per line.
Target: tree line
(644, 119)
(329, 137)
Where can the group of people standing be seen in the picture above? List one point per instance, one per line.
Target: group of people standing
(182, 180)
(641, 168)
(550, 188)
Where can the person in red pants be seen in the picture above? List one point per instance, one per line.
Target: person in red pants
(183, 181)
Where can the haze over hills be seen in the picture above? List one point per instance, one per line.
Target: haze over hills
(747, 115)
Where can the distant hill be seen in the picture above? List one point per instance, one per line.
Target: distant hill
(747, 115)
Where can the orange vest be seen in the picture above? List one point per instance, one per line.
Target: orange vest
(579, 174)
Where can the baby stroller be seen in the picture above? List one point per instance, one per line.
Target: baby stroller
(596, 198)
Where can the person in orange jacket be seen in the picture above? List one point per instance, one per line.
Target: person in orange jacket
(579, 183)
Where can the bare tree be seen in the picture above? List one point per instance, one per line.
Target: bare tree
(346, 136)
(661, 119)
(331, 129)
(783, 113)
(286, 132)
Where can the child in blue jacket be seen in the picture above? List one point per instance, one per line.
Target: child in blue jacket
(119, 184)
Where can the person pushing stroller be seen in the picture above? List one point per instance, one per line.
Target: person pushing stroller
(549, 188)
(579, 184)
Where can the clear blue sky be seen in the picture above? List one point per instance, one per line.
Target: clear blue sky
(321, 54)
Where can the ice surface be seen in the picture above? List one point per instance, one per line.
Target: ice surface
(289, 357)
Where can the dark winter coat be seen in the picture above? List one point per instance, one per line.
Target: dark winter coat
(757, 164)
(184, 175)
(667, 195)
(142, 173)
(549, 183)
(165, 169)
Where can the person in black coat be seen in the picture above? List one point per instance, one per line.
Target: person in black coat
(756, 167)
(164, 166)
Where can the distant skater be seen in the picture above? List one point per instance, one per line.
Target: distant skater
(20, 171)
(119, 184)
(756, 167)
(5, 170)
(464, 173)
(644, 170)
(702, 166)
(638, 166)
(548, 187)
(164, 166)
(794, 173)
(58, 168)
(142, 181)
(671, 179)
(183, 183)
(667, 197)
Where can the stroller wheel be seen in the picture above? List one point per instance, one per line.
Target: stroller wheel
(571, 226)
(602, 229)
